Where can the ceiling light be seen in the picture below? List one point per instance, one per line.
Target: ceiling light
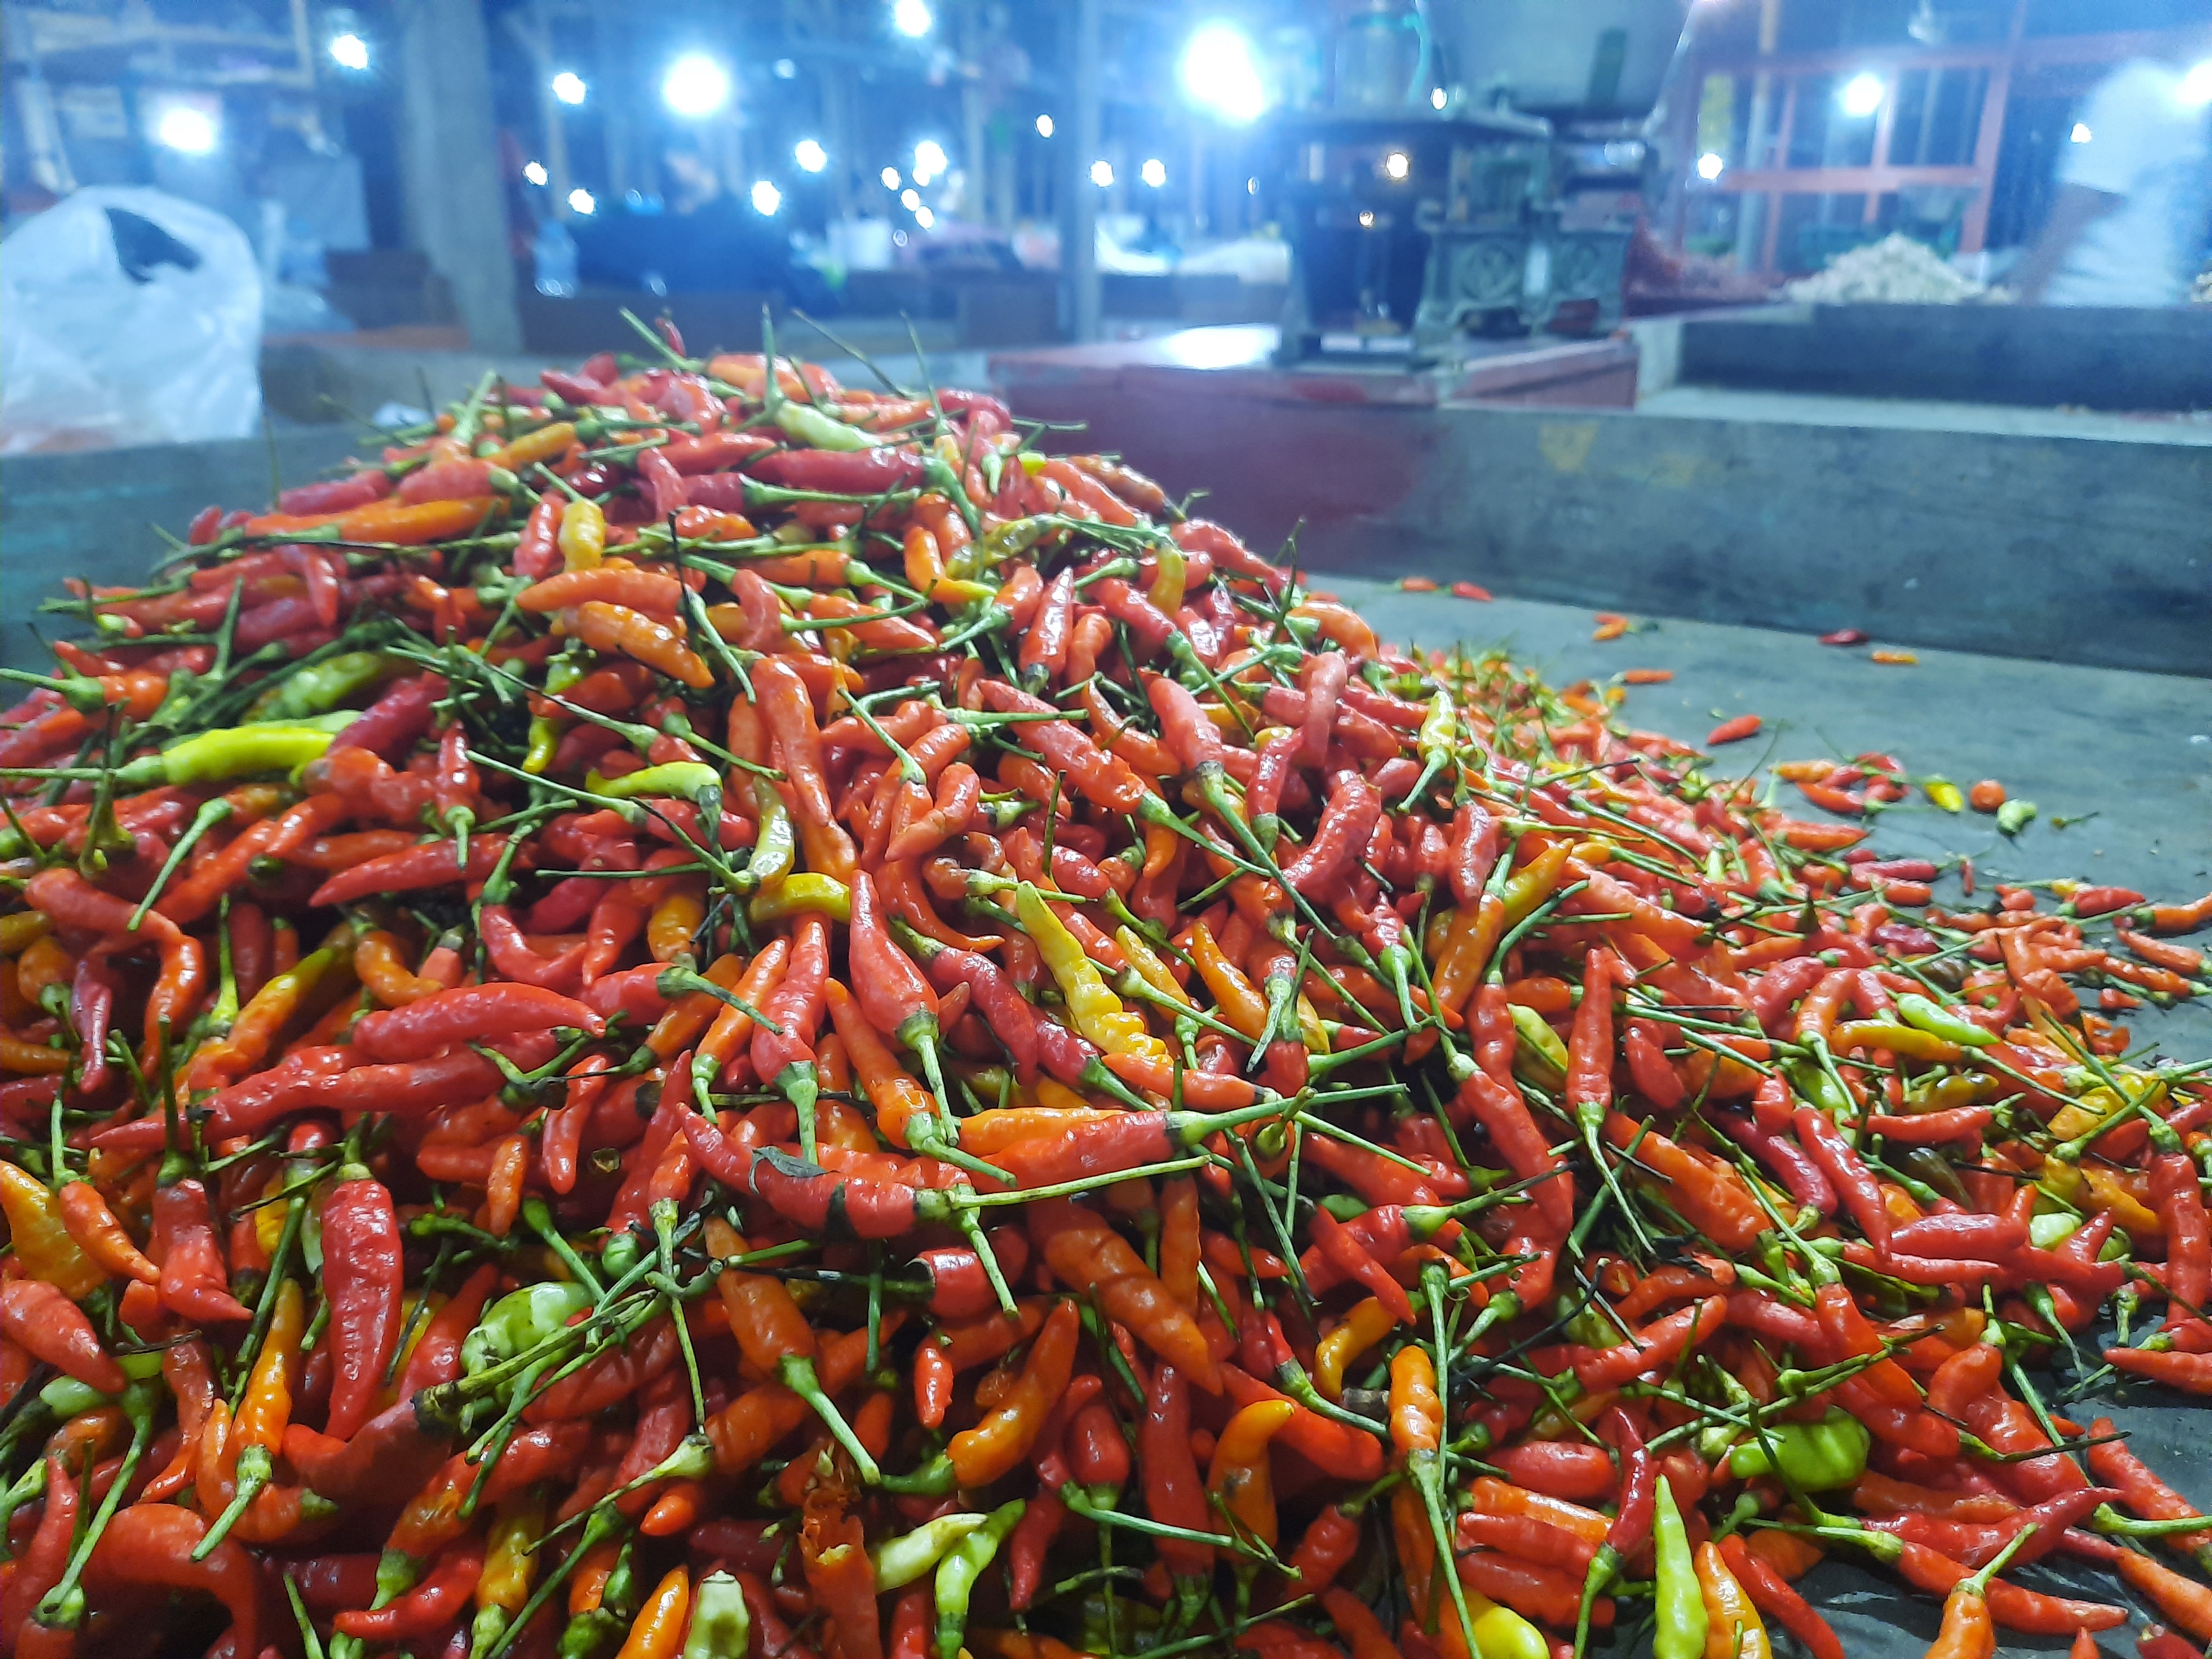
(1218, 74)
(569, 86)
(924, 217)
(1436, 98)
(1397, 164)
(350, 51)
(1101, 174)
(810, 155)
(911, 18)
(890, 177)
(767, 198)
(910, 200)
(1044, 126)
(1862, 94)
(534, 171)
(581, 201)
(2196, 85)
(1153, 173)
(695, 85)
(187, 128)
(2081, 134)
(1709, 166)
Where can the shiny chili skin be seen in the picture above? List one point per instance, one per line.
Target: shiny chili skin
(363, 1276)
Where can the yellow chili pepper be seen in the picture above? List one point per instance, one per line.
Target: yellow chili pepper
(1240, 1475)
(1236, 999)
(683, 780)
(1532, 884)
(583, 538)
(808, 889)
(1471, 934)
(267, 1408)
(41, 1241)
(1368, 1323)
(1944, 793)
(1098, 1014)
(1150, 968)
(1734, 1629)
(1908, 1040)
(19, 931)
(510, 1564)
(1166, 594)
(532, 447)
(564, 671)
(2108, 1192)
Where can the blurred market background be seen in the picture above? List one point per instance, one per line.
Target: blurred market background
(1777, 245)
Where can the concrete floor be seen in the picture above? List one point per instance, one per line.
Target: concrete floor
(1916, 414)
(2125, 759)
(2133, 749)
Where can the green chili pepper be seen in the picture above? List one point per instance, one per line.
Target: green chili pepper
(1818, 1456)
(961, 1566)
(720, 1626)
(237, 751)
(1502, 1633)
(520, 1321)
(561, 673)
(2012, 817)
(318, 688)
(683, 780)
(1932, 1017)
(1538, 1053)
(776, 844)
(30, 1488)
(811, 426)
(902, 1560)
(1814, 1082)
(66, 1397)
(1680, 1604)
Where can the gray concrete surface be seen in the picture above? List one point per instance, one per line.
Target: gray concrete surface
(2059, 548)
(1918, 415)
(2043, 355)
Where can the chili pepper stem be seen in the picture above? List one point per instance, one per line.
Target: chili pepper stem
(255, 1466)
(797, 1373)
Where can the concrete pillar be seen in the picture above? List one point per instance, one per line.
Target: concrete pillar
(449, 162)
(1078, 197)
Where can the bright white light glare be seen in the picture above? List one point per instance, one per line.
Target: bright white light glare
(185, 129)
(1397, 164)
(1153, 173)
(1437, 98)
(910, 200)
(767, 198)
(350, 51)
(1709, 166)
(911, 18)
(569, 86)
(928, 160)
(695, 85)
(1863, 93)
(890, 177)
(534, 171)
(1044, 126)
(924, 217)
(1219, 73)
(785, 70)
(580, 200)
(2081, 134)
(1101, 174)
(810, 155)
(1251, 187)
(2196, 85)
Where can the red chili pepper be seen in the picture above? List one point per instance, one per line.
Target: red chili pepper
(362, 1280)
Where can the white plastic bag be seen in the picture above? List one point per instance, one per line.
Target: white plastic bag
(127, 317)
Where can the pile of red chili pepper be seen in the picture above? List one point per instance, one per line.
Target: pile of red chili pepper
(706, 1012)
